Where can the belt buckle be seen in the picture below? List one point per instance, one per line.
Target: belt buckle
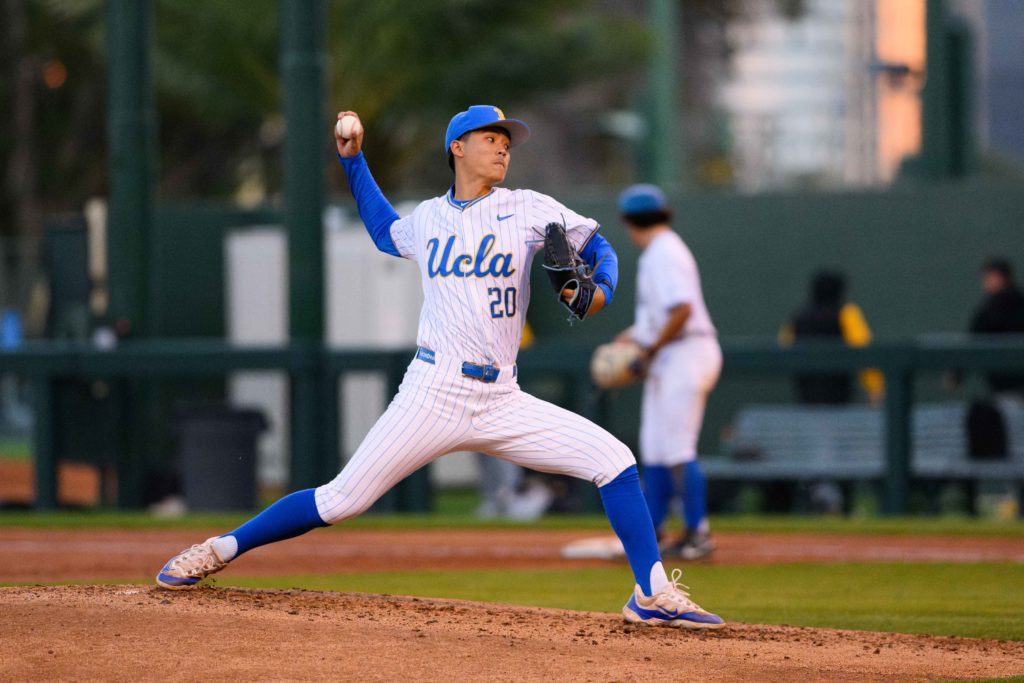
(471, 370)
(484, 373)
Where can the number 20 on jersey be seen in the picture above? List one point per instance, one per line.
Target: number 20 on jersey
(503, 301)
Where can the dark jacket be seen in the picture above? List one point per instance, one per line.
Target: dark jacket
(1001, 313)
(820, 321)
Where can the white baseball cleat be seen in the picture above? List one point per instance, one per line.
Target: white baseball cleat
(671, 607)
(190, 566)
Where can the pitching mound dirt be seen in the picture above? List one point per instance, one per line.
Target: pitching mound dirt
(135, 632)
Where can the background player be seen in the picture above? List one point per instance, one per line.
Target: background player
(474, 246)
(682, 361)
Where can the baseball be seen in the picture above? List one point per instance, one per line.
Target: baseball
(348, 127)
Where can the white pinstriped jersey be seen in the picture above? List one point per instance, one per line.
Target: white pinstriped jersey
(475, 267)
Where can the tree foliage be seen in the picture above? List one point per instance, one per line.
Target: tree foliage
(405, 66)
(428, 59)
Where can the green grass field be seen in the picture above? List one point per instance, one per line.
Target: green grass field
(15, 449)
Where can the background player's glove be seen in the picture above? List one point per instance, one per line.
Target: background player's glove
(567, 271)
(641, 364)
(613, 365)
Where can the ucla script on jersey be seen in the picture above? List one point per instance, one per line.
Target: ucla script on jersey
(466, 265)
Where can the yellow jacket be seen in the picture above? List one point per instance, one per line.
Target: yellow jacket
(856, 334)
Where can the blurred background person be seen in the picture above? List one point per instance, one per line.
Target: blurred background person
(1000, 312)
(682, 361)
(15, 412)
(828, 315)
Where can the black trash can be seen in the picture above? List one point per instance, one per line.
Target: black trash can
(217, 455)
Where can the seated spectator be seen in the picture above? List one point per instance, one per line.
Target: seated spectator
(827, 315)
(1000, 312)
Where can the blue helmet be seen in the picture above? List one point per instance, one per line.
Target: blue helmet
(642, 198)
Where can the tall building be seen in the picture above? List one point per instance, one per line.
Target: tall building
(827, 98)
(1001, 77)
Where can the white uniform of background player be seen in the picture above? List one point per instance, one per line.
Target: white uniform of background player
(683, 361)
(473, 246)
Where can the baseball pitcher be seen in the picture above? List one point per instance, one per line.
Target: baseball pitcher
(474, 246)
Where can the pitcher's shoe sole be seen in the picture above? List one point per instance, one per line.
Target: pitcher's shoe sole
(175, 583)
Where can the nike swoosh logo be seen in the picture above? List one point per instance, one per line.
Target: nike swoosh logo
(656, 613)
(501, 218)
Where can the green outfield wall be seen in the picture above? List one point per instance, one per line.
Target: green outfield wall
(912, 255)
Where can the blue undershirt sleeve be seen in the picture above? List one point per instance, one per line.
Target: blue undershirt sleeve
(377, 213)
(599, 252)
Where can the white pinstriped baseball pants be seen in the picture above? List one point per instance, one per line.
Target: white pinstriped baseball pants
(438, 411)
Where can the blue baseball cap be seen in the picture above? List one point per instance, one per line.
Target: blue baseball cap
(482, 116)
(642, 198)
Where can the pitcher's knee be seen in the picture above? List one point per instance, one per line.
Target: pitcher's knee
(334, 503)
(618, 459)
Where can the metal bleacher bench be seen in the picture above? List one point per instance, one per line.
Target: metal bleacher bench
(808, 443)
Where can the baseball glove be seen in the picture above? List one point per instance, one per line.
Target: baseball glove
(614, 365)
(567, 271)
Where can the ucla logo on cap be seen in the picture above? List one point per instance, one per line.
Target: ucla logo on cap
(500, 113)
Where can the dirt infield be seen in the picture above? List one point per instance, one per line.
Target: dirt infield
(140, 633)
(43, 555)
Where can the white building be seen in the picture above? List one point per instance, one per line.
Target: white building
(803, 95)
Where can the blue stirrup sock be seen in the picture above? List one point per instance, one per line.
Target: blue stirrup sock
(291, 516)
(659, 488)
(695, 508)
(627, 511)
